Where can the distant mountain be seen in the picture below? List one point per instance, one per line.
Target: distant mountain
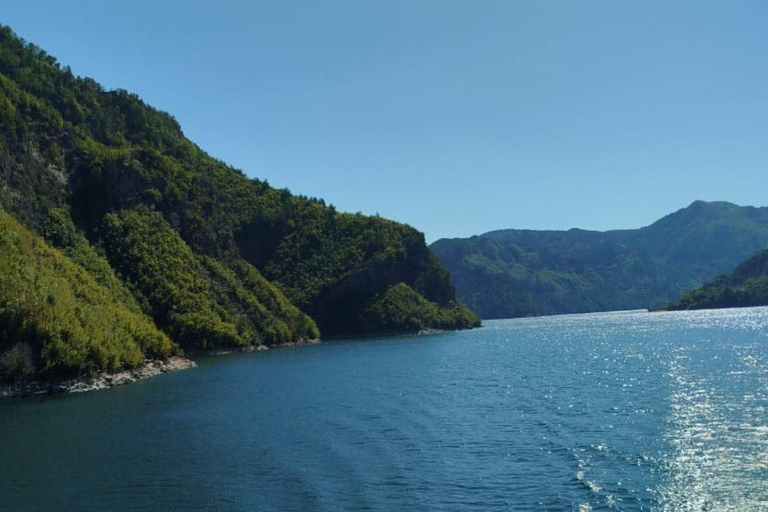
(746, 286)
(512, 273)
(121, 240)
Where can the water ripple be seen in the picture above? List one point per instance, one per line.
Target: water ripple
(622, 411)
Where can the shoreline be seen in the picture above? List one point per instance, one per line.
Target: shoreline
(154, 367)
(103, 380)
(397, 334)
(150, 368)
(302, 342)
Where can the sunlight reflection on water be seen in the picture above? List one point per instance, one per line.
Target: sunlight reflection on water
(719, 435)
(624, 411)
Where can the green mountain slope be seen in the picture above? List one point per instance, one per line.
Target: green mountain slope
(512, 273)
(214, 258)
(701, 241)
(746, 286)
(57, 319)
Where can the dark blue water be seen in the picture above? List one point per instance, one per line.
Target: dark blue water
(628, 411)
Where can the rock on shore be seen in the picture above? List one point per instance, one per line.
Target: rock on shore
(102, 380)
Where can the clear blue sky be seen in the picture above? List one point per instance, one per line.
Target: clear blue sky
(456, 117)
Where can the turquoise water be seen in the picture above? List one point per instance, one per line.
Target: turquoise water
(622, 411)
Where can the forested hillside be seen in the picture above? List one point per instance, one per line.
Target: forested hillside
(746, 286)
(512, 273)
(57, 318)
(212, 258)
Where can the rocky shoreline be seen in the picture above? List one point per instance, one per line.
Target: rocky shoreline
(149, 368)
(99, 381)
(253, 348)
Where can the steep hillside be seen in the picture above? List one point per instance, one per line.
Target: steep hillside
(701, 241)
(512, 273)
(56, 318)
(746, 286)
(214, 258)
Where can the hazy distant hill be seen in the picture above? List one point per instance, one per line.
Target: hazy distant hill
(746, 286)
(124, 240)
(512, 273)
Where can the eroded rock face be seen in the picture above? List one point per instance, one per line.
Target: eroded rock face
(104, 380)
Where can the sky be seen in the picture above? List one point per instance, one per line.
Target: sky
(458, 117)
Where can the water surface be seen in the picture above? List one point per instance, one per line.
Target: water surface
(621, 411)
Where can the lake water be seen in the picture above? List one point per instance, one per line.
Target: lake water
(621, 411)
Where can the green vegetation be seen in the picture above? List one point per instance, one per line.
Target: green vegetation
(746, 286)
(400, 309)
(214, 258)
(514, 273)
(56, 319)
(60, 232)
(197, 300)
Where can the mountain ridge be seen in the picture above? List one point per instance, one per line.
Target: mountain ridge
(509, 272)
